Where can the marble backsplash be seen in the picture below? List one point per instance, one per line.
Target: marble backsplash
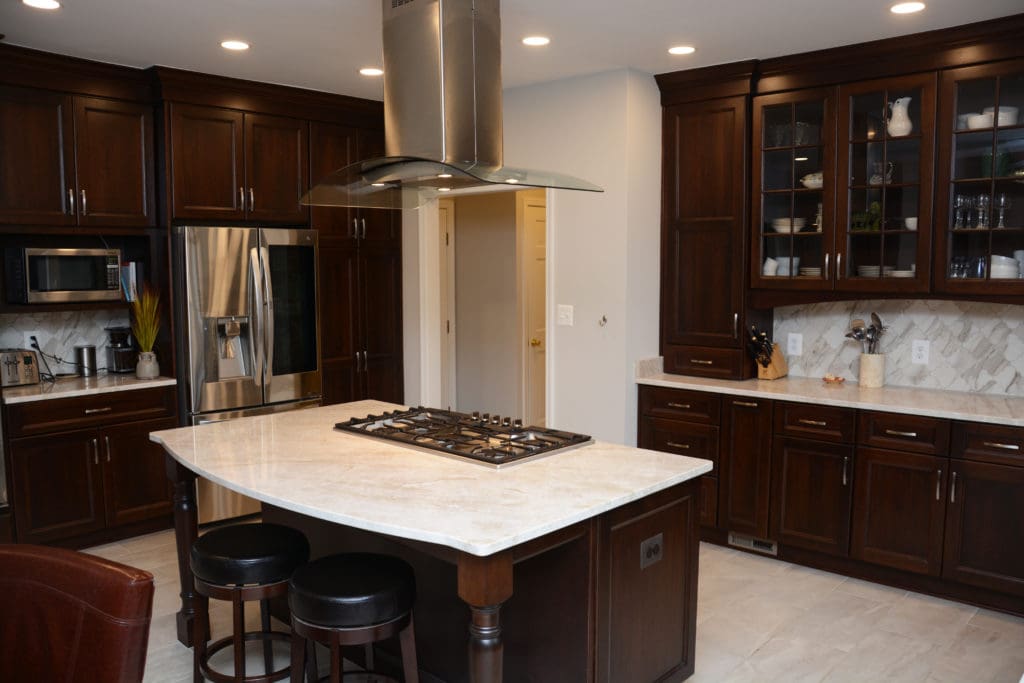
(59, 332)
(973, 346)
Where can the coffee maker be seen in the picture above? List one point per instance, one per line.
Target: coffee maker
(121, 353)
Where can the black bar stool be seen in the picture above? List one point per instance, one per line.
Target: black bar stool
(241, 563)
(352, 599)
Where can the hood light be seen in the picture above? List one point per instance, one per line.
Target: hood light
(236, 45)
(907, 7)
(536, 41)
(682, 50)
(42, 4)
(371, 71)
(444, 189)
(444, 175)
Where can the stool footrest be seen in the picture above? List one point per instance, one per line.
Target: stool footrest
(218, 645)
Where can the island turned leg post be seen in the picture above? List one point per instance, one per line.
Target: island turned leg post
(484, 584)
(186, 529)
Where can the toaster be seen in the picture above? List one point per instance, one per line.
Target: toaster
(17, 367)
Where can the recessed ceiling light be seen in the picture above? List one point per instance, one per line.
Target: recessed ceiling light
(372, 71)
(235, 45)
(536, 41)
(42, 4)
(907, 7)
(682, 50)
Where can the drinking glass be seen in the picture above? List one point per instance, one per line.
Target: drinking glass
(1003, 203)
(982, 204)
(961, 211)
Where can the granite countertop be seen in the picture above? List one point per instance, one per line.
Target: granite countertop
(954, 405)
(297, 461)
(81, 386)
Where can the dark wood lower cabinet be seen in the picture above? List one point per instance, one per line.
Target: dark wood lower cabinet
(899, 509)
(135, 481)
(746, 457)
(985, 526)
(812, 494)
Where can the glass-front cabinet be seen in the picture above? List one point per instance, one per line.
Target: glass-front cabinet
(980, 202)
(793, 190)
(884, 184)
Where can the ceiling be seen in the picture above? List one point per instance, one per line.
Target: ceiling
(321, 44)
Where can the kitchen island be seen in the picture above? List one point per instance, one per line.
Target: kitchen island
(601, 541)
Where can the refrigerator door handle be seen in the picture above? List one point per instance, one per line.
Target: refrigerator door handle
(268, 305)
(257, 336)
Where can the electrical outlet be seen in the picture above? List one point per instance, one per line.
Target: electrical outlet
(566, 315)
(795, 344)
(651, 550)
(919, 351)
(28, 339)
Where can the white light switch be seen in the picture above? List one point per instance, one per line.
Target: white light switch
(566, 315)
(919, 351)
(795, 344)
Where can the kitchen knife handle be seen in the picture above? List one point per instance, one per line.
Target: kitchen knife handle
(1004, 446)
(745, 404)
(735, 325)
(813, 423)
(673, 444)
(894, 432)
(85, 204)
(683, 406)
(96, 451)
(938, 486)
(846, 466)
(952, 490)
(93, 411)
(106, 441)
(71, 201)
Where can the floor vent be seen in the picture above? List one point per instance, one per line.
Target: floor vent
(755, 544)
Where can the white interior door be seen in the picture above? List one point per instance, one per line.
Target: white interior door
(534, 289)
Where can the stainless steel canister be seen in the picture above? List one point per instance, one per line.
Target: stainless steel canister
(85, 360)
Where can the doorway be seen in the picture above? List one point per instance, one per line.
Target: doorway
(493, 289)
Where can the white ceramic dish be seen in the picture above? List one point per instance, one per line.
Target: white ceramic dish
(997, 259)
(901, 273)
(1007, 114)
(975, 121)
(813, 181)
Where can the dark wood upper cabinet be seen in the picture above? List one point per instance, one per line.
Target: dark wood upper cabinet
(207, 163)
(331, 147)
(37, 157)
(276, 168)
(746, 465)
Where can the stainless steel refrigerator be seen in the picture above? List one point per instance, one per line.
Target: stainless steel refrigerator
(249, 338)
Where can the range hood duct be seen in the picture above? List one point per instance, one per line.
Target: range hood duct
(442, 111)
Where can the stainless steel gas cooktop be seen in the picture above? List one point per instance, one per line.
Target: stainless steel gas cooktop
(486, 439)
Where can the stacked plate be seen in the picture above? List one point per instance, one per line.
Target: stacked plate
(811, 272)
(874, 271)
(1004, 268)
(901, 273)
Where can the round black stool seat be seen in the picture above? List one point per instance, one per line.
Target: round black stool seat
(352, 590)
(248, 554)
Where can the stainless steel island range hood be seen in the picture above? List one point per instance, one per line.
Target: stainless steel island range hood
(442, 111)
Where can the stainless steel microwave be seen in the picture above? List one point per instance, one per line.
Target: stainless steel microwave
(44, 276)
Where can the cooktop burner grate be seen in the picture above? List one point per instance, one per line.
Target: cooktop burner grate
(486, 439)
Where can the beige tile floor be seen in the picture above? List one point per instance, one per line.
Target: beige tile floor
(758, 619)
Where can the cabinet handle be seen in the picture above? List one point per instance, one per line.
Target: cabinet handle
(96, 451)
(735, 325)
(827, 256)
(93, 411)
(355, 228)
(839, 266)
(938, 486)
(363, 221)
(85, 204)
(683, 406)
(1004, 446)
(241, 198)
(745, 404)
(106, 441)
(252, 199)
(813, 423)
(893, 432)
(695, 361)
(684, 446)
(71, 201)
(846, 466)
(952, 490)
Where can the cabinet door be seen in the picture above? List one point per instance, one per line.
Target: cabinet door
(276, 168)
(794, 186)
(702, 224)
(979, 203)
(207, 169)
(331, 147)
(57, 486)
(135, 483)
(898, 509)
(37, 157)
(339, 320)
(114, 143)
(380, 276)
(886, 161)
(812, 495)
(984, 525)
(746, 456)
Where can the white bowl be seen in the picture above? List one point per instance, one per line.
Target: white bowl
(1004, 261)
(975, 121)
(1005, 273)
(1007, 114)
(813, 180)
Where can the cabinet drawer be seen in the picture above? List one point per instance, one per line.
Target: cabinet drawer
(61, 414)
(701, 361)
(911, 433)
(988, 443)
(682, 438)
(824, 423)
(692, 406)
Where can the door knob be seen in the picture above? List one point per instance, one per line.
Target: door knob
(535, 342)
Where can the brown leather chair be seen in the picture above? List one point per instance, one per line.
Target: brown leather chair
(68, 616)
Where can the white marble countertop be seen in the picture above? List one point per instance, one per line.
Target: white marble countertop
(297, 461)
(81, 386)
(954, 405)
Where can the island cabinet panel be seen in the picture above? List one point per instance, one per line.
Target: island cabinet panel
(647, 597)
(812, 494)
(746, 457)
(899, 509)
(207, 163)
(37, 157)
(276, 168)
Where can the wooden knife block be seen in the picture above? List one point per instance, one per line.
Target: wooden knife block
(777, 368)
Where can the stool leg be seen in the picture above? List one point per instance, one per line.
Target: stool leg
(368, 656)
(200, 636)
(335, 661)
(268, 645)
(407, 640)
(298, 658)
(312, 668)
(238, 609)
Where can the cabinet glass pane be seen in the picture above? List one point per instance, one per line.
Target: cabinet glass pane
(900, 255)
(809, 117)
(1011, 100)
(903, 106)
(971, 206)
(1008, 205)
(778, 170)
(776, 206)
(867, 116)
(1007, 255)
(867, 164)
(1008, 160)
(808, 249)
(969, 255)
(973, 157)
(905, 157)
(807, 161)
(778, 126)
(899, 204)
(864, 256)
(972, 98)
(865, 210)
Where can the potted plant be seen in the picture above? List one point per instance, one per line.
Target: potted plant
(145, 325)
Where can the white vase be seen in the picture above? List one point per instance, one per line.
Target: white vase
(147, 367)
(872, 370)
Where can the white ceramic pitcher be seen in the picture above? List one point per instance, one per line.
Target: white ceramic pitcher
(899, 122)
